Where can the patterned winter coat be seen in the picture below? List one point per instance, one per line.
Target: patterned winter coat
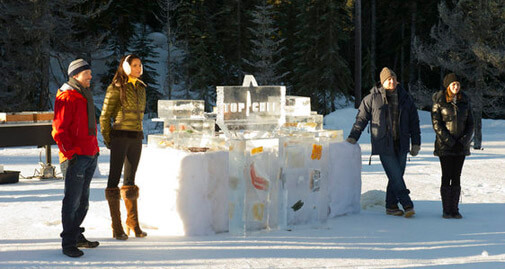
(453, 125)
(127, 116)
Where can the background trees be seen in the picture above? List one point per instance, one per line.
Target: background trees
(266, 50)
(469, 40)
(32, 34)
(306, 45)
(26, 79)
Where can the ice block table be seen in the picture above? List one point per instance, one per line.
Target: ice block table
(184, 193)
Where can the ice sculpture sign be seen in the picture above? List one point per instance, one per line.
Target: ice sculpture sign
(250, 110)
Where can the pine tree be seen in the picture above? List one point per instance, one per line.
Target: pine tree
(266, 48)
(388, 37)
(32, 33)
(229, 24)
(201, 64)
(185, 22)
(25, 47)
(321, 71)
(143, 48)
(118, 40)
(469, 40)
(287, 19)
(168, 8)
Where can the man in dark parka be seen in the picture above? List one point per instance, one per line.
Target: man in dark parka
(394, 125)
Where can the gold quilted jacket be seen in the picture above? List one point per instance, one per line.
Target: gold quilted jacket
(127, 116)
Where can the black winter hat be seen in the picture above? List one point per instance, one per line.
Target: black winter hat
(448, 79)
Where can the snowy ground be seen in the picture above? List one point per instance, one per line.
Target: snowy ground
(30, 221)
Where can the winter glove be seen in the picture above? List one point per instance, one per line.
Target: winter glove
(107, 145)
(415, 150)
(351, 140)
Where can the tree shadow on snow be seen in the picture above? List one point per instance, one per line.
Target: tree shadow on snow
(368, 236)
(44, 195)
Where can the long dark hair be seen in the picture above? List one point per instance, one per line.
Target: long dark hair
(121, 78)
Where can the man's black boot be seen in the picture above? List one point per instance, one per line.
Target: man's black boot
(73, 252)
(82, 242)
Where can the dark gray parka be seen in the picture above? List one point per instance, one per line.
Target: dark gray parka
(375, 108)
(453, 124)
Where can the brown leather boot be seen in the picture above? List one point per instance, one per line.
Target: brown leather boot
(130, 195)
(112, 196)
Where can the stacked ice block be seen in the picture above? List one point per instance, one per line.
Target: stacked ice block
(247, 112)
(185, 125)
(250, 117)
(299, 117)
(303, 164)
(278, 152)
(253, 172)
(278, 157)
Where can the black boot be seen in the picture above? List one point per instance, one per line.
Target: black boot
(82, 242)
(72, 252)
(445, 192)
(455, 193)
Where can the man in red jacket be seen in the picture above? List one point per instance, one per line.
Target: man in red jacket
(74, 130)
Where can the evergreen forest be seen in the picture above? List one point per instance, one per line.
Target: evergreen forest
(329, 50)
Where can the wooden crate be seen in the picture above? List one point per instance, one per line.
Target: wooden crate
(9, 177)
(28, 116)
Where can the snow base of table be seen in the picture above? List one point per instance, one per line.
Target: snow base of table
(183, 193)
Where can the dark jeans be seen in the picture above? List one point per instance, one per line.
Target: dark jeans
(451, 169)
(394, 166)
(63, 168)
(125, 148)
(76, 200)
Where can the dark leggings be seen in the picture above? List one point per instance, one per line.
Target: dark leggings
(451, 169)
(125, 148)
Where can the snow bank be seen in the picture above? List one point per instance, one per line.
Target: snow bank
(372, 199)
(30, 217)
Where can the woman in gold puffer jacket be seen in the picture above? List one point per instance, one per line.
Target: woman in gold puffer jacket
(121, 127)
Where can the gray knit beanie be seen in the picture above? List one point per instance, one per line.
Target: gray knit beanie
(77, 66)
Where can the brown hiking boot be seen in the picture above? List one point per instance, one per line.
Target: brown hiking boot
(409, 212)
(394, 211)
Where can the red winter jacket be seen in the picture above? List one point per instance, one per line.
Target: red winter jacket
(70, 125)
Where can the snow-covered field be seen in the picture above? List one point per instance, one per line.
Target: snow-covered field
(30, 221)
